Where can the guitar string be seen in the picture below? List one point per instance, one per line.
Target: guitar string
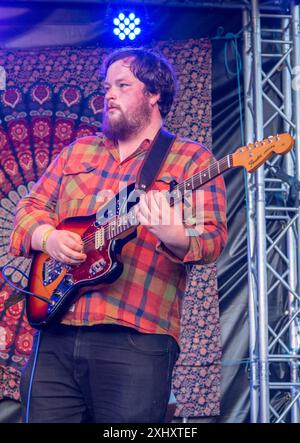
(214, 169)
(113, 223)
(90, 239)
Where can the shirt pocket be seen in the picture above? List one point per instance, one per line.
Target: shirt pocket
(78, 181)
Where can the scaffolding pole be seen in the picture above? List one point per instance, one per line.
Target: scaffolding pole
(250, 185)
(272, 100)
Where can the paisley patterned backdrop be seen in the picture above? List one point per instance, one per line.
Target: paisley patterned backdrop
(53, 96)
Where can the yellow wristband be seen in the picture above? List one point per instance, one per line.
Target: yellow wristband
(44, 238)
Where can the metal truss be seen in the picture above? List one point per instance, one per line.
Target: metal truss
(272, 102)
(273, 5)
(223, 4)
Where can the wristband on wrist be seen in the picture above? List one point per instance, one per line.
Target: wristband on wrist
(45, 235)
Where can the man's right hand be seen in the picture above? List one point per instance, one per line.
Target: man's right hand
(64, 246)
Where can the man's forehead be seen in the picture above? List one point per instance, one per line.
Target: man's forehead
(124, 63)
(120, 68)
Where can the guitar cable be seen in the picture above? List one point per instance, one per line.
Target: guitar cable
(4, 268)
(31, 377)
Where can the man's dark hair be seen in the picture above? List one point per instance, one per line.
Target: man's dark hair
(152, 69)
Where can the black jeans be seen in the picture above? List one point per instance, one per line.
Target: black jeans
(102, 374)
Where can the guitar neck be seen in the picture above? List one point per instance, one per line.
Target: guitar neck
(217, 167)
(127, 221)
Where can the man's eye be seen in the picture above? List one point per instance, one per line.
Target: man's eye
(123, 84)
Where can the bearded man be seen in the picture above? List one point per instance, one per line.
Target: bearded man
(111, 355)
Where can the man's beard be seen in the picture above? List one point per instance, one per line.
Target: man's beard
(124, 126)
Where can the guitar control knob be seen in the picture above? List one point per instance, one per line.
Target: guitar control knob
(69, 278)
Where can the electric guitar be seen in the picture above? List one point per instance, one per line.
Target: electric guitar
(57, 285)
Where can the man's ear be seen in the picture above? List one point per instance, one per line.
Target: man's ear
(154, 99)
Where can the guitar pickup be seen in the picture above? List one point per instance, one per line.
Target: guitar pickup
(99, 238)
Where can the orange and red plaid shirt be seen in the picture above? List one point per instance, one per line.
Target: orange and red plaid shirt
(148, 295)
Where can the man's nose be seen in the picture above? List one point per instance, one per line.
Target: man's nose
(110, 94)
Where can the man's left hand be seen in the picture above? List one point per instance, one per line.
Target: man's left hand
(164, 221)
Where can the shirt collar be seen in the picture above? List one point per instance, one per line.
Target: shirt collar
(114, 150)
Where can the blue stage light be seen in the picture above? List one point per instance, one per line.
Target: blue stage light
(126, 25)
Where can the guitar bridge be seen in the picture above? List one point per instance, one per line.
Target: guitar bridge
(97, 267)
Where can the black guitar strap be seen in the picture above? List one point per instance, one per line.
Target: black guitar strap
(154, 159)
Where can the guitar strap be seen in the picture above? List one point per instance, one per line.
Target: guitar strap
(154, 159)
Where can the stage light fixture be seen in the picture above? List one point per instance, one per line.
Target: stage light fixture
(125, 26)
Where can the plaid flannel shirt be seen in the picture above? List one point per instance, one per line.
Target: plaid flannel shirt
(148, 295)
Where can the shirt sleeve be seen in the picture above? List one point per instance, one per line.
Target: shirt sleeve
(37, 208)
(206, 225)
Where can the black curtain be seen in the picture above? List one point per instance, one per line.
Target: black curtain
(232, 265)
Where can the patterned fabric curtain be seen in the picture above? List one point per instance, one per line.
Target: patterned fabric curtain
(53, 96)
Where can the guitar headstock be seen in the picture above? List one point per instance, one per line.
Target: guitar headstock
(255, 154)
